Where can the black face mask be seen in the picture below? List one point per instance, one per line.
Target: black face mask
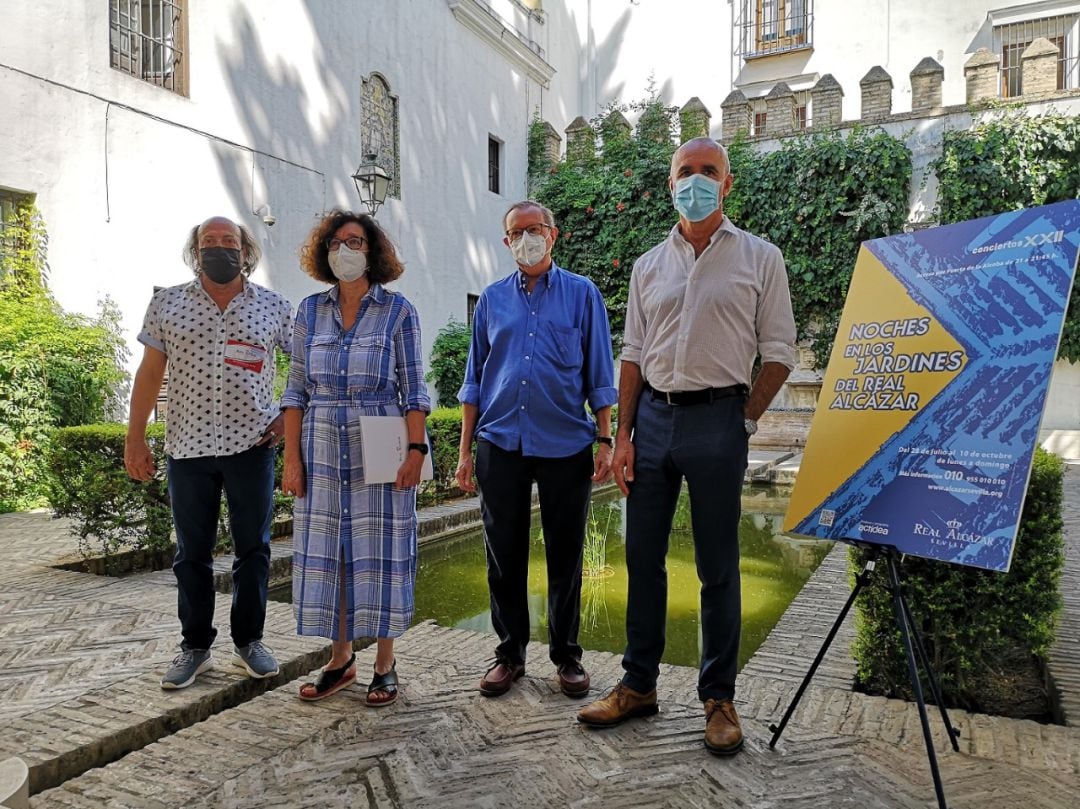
(221, 264)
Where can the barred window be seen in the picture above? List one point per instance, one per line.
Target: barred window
(1013, 39)
(470, 307)
(494, 159)
(774, 26)
(147, 39)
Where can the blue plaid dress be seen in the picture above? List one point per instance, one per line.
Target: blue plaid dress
(374, 368)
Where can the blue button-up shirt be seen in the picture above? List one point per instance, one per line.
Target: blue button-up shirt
(536, 359)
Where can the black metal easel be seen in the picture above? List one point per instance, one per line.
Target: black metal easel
(909, 633)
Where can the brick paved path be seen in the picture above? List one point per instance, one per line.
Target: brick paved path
(445, 746)
(80, 658)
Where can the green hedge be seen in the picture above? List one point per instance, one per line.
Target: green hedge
(114, 514)
(88, 483)
(444, 428)
(976, 624)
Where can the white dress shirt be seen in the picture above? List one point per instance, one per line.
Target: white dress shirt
(695, 323)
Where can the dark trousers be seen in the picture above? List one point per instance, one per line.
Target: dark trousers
(195, 486)
(564, 485)
(706, 444)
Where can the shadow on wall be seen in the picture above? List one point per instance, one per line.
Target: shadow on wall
(315, 126)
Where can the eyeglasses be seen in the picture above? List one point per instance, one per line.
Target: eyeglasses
(532, 230)
(353, 243)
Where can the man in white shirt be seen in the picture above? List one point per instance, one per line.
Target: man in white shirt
(216, 334)
(702, 306)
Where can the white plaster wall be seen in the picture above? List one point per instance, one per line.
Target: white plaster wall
(122, 169)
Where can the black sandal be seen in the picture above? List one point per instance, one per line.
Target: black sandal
(384, 682)
(330, 681)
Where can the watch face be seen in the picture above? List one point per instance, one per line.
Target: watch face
(750, 426)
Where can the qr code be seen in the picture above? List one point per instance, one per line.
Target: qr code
(826, 517)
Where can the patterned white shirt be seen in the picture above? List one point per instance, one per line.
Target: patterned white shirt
(221, 365)
(698, 322)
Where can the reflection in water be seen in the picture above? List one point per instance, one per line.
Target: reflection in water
(451, 585)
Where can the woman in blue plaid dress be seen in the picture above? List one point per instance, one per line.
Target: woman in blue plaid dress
(356, 351)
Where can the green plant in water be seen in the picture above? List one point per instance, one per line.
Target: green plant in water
(594, 564)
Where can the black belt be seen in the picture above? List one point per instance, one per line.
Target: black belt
(693, 397)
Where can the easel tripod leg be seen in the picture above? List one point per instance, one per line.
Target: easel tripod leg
(935, 689)
(913, 674)
(861, 580)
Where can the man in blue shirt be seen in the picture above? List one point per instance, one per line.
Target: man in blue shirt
(541, 350)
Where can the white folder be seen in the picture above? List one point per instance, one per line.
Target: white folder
(385, 443)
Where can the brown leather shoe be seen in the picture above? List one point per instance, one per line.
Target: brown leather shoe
(500, 677)
(620, 704)
(723, 734)
(573, 679)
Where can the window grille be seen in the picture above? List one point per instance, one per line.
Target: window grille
(1010, 41)
(766, 27)
(494, 148)
(470, 307)
(146, 40)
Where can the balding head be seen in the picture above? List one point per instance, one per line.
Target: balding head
(220, 231)
(701, 148)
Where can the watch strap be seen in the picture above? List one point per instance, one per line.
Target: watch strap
(420, 447)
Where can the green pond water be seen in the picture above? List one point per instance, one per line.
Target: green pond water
(451, 583)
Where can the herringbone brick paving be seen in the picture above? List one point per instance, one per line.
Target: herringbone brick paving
(80, 656)
(443, 745)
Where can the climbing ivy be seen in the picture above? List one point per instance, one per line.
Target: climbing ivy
(817, 198)
(1007, 163)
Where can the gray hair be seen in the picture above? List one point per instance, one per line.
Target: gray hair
(249, 248)
(549, 217)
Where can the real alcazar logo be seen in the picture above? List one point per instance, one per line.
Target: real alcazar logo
(955, 532)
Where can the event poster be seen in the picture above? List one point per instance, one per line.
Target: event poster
(930, 409)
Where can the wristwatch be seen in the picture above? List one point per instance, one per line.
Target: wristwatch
(421, 448)
(605, 439)
(750, 425)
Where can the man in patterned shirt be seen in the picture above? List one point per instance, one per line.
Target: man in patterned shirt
(216, 334)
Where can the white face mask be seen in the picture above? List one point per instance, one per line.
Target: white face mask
(346, 264)
(529, 250)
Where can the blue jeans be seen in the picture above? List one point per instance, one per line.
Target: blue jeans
(195, 486)
(707, 445)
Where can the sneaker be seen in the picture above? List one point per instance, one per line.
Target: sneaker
(186, 666)
(257, 659)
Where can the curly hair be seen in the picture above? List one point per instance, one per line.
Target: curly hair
(383, 263)
(249, 248)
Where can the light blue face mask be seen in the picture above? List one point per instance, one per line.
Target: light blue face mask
(696, 197)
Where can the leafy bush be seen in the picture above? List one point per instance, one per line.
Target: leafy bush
(449, 354)
(114, 514)
(1009, 163)
(57, 369)
(975, 623)
(444, 429)
(87, 482)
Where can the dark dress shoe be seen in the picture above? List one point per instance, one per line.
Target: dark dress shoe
(500, 677)
(723, 734)
(573, 679)
(621, 703)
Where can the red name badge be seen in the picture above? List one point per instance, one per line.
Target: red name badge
(244, 355)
